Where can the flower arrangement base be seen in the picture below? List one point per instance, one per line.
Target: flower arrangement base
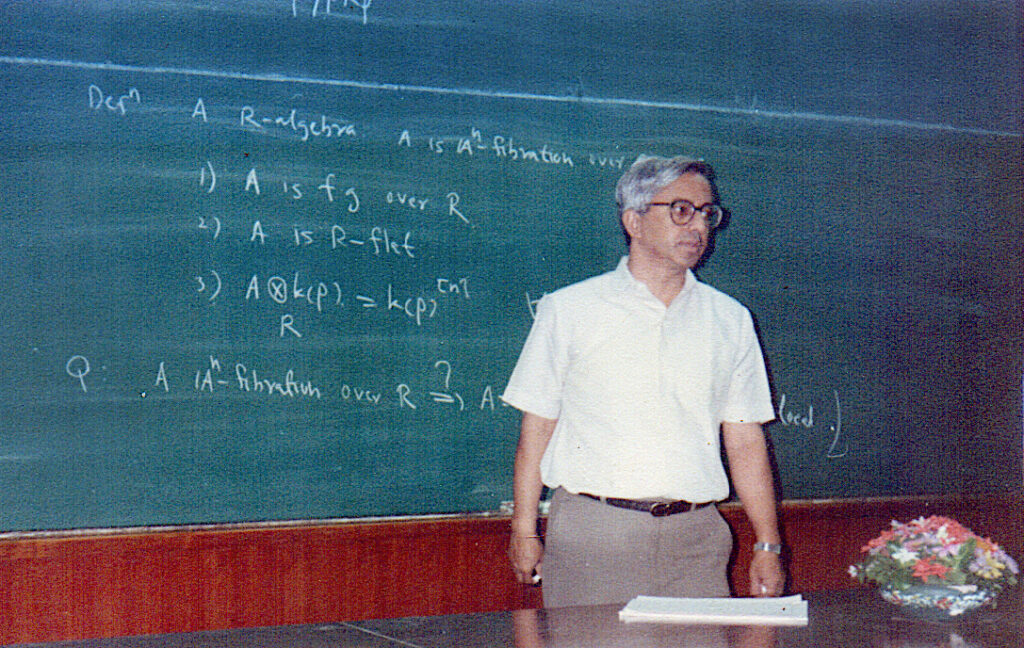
(938, 602)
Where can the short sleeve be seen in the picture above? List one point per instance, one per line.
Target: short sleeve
(749, 396)
(536, 382)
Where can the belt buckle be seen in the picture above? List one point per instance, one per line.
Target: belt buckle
(661, 509)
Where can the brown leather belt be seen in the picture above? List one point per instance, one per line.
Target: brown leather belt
(654, 507)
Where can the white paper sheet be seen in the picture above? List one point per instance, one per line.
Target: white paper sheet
(788, 610)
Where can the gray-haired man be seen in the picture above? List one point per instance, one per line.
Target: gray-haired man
(629, 382)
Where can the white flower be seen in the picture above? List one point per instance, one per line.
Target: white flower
(905, 556)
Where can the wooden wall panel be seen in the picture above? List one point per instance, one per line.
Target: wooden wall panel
(80, 585)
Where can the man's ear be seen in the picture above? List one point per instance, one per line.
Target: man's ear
(631, 222)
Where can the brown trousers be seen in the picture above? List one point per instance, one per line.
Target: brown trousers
(596, 553)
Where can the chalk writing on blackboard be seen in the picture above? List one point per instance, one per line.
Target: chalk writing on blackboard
(834, 451)
(215, 376)
(803, 417)
(331, 192)
(531, 304)
(317, 128)
(212, 223)
(212, 177)
(211, 288)
(249, 380)
(447, 396)
(99, 100)
(78, 367)
(327, 8)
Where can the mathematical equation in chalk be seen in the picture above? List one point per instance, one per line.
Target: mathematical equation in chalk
(310, 125)
(330, 191)
(439, 384)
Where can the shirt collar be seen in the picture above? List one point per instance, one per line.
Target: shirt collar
(628, 283)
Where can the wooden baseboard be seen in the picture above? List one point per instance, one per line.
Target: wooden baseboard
(62, 586)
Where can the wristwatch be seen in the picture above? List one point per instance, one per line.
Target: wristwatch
(769, 547)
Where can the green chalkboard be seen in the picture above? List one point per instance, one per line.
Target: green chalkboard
(275, 260)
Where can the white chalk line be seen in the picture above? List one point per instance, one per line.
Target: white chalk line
(527, 96)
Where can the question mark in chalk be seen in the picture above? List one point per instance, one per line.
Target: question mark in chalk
(448, 371)
(78, 367)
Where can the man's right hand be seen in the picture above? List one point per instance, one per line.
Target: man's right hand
(527, 556)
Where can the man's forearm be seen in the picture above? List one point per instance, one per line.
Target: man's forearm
(535, 432)
(525, 550)
(752, 478)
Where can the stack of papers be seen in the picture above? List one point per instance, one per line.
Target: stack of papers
(788, 610)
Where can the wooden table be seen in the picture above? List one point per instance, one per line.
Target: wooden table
(836, 619)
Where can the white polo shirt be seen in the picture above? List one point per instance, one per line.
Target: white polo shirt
(640, 389)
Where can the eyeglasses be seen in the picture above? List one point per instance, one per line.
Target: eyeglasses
(682, 212)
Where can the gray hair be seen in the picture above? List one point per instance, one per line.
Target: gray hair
(650, 174)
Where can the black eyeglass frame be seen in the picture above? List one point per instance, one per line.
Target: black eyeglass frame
(682, 211)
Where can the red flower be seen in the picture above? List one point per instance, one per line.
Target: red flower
(879, 542)
(924, 568)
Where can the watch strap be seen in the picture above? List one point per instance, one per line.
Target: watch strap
(769, 547)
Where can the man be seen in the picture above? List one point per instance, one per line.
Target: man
(627, 383)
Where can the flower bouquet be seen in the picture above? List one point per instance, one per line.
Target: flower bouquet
(935, 567)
